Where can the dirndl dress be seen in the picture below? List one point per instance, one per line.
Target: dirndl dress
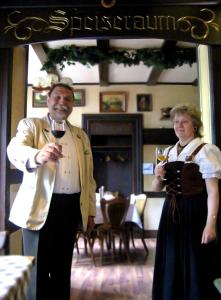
(184, 268)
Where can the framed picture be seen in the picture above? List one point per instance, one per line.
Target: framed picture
(148, 168)
(39, 98)
(144, 102)
(79, 97)
(113, 101)
(165, 113)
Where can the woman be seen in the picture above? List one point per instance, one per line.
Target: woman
(185, 263)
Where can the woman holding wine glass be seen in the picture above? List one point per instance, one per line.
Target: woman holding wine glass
(54, 198)
(186, 261)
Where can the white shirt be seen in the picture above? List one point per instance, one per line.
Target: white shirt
(208, 158)
(67, 180)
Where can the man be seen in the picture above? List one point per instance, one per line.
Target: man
(56, 195)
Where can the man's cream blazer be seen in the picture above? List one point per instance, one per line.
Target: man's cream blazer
(31, 204)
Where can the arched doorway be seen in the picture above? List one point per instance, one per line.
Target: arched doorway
(23, 24)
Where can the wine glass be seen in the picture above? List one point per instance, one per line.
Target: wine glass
(160, 156)
(58, 129)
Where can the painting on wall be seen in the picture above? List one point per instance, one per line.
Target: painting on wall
(113, 101)
(165, 113)
(79, 97)
(39, 98)
(144, 102)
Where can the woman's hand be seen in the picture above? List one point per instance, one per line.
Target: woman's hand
(209, 233)
(159, 171)
(158, 182)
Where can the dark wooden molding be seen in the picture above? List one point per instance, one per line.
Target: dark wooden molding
(116, 135)
(103, 67)
(89, 19)
(91, 3)
(215, 91)
(6, 62)
(155, 194)
(168, 46)
(195, 82)
(154, 76)
(137, 83)
(159, 136)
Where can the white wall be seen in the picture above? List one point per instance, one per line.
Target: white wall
(162, 96)
(204, 77)
(152, 213)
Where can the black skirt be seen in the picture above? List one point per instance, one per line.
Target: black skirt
(185, 268)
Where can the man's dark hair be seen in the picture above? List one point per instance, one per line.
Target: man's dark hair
(67, 86)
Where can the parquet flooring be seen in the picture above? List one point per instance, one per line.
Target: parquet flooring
(115, 279)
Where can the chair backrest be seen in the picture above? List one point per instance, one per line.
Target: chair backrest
(114, 211)
(140, 202)
(3, 239)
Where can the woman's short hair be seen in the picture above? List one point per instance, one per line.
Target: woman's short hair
(64, 85)
(193, 112)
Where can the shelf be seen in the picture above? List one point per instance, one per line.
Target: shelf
(116, 142)
(98, 147)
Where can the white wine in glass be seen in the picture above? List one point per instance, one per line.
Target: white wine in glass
(160, 157)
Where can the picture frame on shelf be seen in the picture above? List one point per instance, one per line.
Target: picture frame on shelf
(113, 101)
(39, 97)
(79, 97)
(144, 102)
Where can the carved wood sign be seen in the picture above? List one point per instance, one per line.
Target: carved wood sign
(194, 23)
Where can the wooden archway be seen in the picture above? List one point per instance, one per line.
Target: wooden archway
(25, 22)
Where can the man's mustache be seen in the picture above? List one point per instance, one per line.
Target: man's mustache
(62, 107)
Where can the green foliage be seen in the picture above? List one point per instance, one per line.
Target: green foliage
(91, 56)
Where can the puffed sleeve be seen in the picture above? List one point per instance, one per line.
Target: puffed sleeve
(209, 161)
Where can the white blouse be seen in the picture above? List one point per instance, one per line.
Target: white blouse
(208, 158)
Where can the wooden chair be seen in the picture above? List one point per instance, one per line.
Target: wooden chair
(140, 202)
(114, 213)
(3, 240)
(88, 241)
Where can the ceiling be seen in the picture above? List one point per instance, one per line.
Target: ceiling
(104, 74)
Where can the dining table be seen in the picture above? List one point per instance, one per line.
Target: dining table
(132, 220)
(14, 276)
(217, 283)
(132, 215)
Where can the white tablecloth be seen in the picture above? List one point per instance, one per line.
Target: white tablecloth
(217, 283)
(14, 276)
(132, 215)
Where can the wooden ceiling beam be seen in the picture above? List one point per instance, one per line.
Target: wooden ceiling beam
(156, 72)
(195, 82)
(41, 54)
(103, 68)
(154, 76)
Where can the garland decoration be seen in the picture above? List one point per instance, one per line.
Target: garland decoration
(90, 56)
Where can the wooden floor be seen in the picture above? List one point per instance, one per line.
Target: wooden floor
(115, 279)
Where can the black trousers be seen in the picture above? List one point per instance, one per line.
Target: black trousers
(53, 247)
